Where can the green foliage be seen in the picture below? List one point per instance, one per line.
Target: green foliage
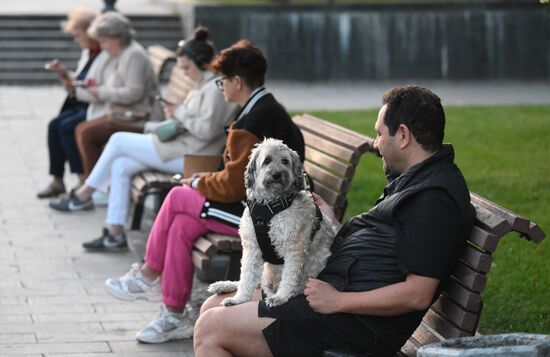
(504, 153)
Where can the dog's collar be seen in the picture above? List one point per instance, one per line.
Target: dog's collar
(273, 206)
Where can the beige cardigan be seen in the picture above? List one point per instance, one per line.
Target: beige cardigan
(127, 80)
(204, 115)
(96, 108)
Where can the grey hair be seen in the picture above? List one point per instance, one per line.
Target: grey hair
(112, 25)
(79, 18)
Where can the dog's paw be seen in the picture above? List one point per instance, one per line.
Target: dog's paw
(275, 300)
(223, 287)
(231, 301)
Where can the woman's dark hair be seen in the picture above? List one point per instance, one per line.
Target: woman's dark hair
(420, 110)
(197, 48)
(245, 60)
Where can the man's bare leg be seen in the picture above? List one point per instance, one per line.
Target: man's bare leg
(215, 300)
(229, 331)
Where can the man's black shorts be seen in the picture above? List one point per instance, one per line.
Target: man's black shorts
(300, 331)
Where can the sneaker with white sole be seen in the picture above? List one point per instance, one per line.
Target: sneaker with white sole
(168, 326)
(107, 242)
(132, 286)
(71, 203)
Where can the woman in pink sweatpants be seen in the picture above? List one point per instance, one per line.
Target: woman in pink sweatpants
(176, 228)
(204, 202)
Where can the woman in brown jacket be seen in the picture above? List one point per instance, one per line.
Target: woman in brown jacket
(201, 205)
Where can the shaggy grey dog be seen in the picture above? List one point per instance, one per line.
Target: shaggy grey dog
(273, 173)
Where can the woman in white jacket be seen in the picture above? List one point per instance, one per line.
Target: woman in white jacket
(202, 119)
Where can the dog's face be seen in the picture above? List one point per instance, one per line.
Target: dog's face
(273, 171)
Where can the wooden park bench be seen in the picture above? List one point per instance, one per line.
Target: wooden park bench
(150, 182)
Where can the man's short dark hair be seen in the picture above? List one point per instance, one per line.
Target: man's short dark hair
(245, 60)
(420, 110)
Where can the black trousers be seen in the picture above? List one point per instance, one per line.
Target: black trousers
(61, 140)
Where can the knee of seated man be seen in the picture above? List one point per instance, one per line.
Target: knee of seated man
(208, 325)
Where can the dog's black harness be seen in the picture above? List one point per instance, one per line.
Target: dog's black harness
(262, 213)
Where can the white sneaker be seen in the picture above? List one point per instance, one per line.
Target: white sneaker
(168, 326)
(132, 286)
(100, 198)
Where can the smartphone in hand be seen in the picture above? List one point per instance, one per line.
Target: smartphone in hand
(164, 100)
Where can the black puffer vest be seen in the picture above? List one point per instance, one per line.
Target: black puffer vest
(363, 255)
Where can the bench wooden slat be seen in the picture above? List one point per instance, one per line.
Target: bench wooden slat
(483, 239)
(206, 247)
(493, 223)
(236, 243)
(329, 195)
(463, 297)
(200, 260)
(467, 276)
(159, 57)
(423, 335)
(455, 314)
(344, 136)
(137, 196)
(409, 348)
(476, 259)
(445, 328)
(535, 233)
(321, 175)
(324, 160)
(138, 181)
(220, 241)
(518, 223)
(330, 148)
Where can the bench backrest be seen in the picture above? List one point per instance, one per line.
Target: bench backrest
(457, 311)
(161, 58)
(332, 155)
(179, 84)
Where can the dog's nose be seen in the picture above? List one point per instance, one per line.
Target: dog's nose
(277, 175)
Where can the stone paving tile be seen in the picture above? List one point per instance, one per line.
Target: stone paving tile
(29, 348)
(186, 347)
(145, 316)
(59, 327)
(123, 354)
(17, 338)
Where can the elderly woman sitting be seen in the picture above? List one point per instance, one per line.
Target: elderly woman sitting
(76, 108)
(126, 84)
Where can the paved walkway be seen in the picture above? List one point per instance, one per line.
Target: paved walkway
(52, 300)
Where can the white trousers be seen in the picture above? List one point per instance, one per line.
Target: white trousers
(125, 155)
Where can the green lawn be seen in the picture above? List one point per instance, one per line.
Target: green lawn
(504, 153)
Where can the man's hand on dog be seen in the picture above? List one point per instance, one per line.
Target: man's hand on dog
(327, 211)
(322, 297)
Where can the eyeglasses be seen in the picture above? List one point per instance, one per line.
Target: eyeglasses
(219, 82)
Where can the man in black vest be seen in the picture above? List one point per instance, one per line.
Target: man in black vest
(388, 265)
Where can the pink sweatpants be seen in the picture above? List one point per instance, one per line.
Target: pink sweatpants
(170, 243)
